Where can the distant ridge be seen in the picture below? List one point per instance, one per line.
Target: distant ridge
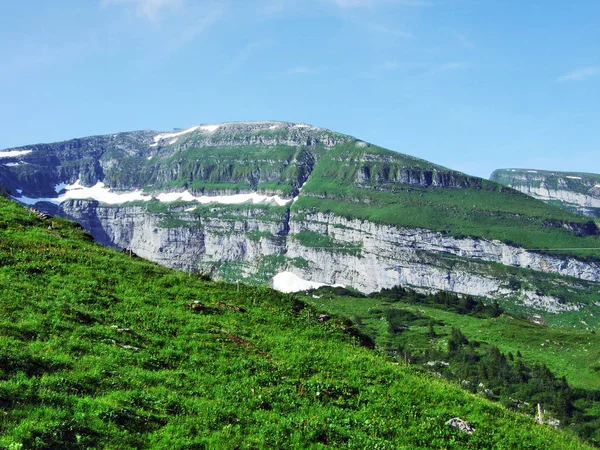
(578, 192)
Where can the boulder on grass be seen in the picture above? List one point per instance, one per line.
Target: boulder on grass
(461, 425)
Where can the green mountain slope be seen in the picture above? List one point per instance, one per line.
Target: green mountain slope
(385, 187)
(101, 350)
(499, 355)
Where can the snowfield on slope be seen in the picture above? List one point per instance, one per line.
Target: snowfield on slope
(103, 194)
(288, 282)
(176, 134)
(14, 153)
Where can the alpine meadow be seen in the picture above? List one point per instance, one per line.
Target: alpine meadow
(284, 224)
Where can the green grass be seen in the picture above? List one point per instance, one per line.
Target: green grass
(327, 243)
(400, 327)
(99, 350)
(569, 352)
(459, 212)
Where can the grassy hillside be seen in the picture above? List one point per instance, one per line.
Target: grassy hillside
(100, 350)
(574, 353)
(531, 358)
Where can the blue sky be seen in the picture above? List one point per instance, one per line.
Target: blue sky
(470, 84)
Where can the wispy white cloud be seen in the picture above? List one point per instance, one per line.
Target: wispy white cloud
(580, 74)
(147, 9)
(271, 7)
(244, 55)
(190, 32)
(412, 68)
(390, 65)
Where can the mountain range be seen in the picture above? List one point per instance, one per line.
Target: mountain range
(293, 204)
(398, 267)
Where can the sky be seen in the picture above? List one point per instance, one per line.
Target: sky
(473, 85)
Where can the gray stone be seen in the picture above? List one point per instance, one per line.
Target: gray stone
(461, 425)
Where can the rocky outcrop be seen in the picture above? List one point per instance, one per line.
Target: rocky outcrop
(461, 425)
(392, 243)
(415, 176)
(576, 192)
(190, 244)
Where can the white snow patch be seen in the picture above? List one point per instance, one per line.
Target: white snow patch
(573, 178)
(154, 145)
(190, 209)
(290, 282)
(302, 125)
(274, 127)
(12, 164)
(597, 186)
(20, 191)
(299, 190)
(253, 197)
(149, 157)
(532, 171)
(161, 136)
(97, 192)
(103, 194)
(173, 141)
(210, 128)
(13, 153)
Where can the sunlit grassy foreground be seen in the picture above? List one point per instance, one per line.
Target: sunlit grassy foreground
(100, 350)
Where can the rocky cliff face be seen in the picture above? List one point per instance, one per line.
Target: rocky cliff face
(251, 200)
(251, 243)
(577, 192)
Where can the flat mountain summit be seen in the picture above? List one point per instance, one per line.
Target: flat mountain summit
(253, 200)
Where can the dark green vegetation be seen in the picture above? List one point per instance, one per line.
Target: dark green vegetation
(316, 240)
(100, 350)
(479, 347)
(210, 169)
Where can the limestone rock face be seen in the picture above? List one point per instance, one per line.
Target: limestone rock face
(577, 192)
(365, 255)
